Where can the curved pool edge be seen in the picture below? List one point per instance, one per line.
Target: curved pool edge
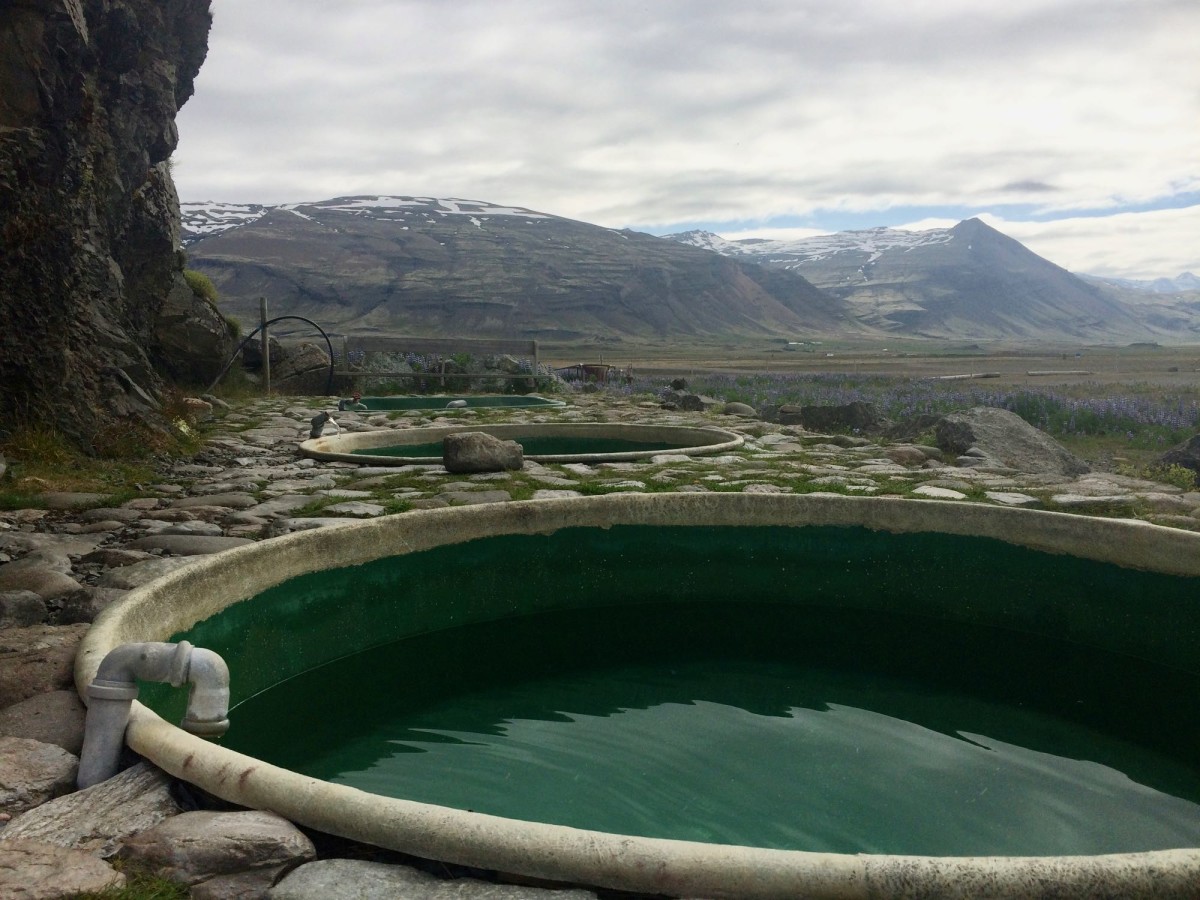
(647, 865)
(175, 602)
(347, 447)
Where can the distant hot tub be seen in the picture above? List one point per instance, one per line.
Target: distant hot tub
(483, 401)
(542, 442)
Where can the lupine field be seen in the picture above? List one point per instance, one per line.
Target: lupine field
(1136, 417)
(1148, 419)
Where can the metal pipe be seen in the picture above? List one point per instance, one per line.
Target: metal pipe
(113, 690)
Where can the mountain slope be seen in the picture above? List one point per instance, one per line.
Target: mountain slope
(969, 281)
(457, 267)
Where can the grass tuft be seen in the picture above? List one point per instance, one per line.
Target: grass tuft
(139, 885)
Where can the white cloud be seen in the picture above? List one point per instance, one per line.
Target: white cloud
(1128, 245)
(635, 114)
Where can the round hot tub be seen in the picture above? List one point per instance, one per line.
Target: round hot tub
(715, 695)
(559, 442)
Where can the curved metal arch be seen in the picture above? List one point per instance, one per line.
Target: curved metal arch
(250, 336)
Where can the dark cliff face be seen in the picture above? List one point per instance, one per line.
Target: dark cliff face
(89, 216)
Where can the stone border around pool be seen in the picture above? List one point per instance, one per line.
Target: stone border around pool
(177, 601)
(701, 441)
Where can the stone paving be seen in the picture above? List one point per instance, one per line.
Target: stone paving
(64, 561)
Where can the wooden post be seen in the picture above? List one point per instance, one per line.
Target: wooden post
(266, 346)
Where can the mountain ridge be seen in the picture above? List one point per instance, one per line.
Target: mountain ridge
(966, 281)
(453, 266)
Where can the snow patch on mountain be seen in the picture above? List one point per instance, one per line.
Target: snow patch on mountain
(1178, 285)
(207, 218)
(872, 242)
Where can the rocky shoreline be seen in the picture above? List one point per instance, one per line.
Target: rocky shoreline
(64, 561)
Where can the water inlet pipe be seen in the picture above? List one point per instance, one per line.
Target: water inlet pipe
(113, 690)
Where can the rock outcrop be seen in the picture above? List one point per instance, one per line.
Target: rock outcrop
(1186, 454)
(89, 217)
(986, 436)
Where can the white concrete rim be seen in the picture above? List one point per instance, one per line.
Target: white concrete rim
(708, 440)
(675, 868)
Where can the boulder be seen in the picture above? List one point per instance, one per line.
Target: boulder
(21, 608)
(694, 402)
(43, 571)
(740, 409)
(506, 364)
(35, 870)
(32, 772)
(99, 818)
(37, 659)
(908, 455)
(86, 604)
(196, 847)
(992, 434)
(194, 339)
(303, 368)
(477, 451)
(1186, 454)
(857, 417)
(55, 718)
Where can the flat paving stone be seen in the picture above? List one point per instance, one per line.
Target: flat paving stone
(134, 576)
(1011, 498)
(232, 499)
(1088, 502)
(188, 544)
(343, 879)
(472, 498)
(105, 514)
(308, 523)
(939, 493)
(47, 583)
(356, 509)
(278, 506)
(194, 529)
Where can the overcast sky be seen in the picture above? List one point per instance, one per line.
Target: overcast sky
(1071, 125)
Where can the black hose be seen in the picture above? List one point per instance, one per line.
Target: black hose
(250, 336)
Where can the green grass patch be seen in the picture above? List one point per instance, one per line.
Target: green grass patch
(139, 885)
(315, 507)
(41, 460)
(201, 285)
